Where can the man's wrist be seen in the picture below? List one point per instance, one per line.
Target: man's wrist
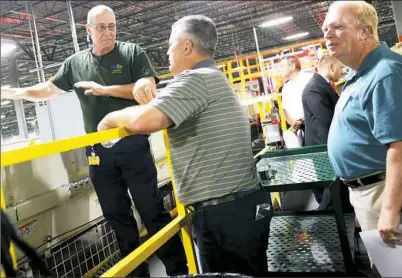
(391, 209)
(105, 90)
(26, 93)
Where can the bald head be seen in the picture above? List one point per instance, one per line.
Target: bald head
(102, 29)
(330, 67)
(98, 10)
(326, 61)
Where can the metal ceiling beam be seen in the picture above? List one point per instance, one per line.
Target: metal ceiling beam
(81, 3)
(83, 18)
(156, 20)
(17, 8)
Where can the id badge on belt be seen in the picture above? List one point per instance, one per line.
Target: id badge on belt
(93, 159)
(262, 211)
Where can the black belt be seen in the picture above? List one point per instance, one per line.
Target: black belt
(365, 181)
(225, 199)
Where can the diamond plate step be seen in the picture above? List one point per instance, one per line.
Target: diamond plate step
(307, 244)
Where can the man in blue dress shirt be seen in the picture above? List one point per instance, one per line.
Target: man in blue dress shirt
(365, 138)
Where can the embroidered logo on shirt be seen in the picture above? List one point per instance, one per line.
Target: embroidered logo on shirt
(117, 68)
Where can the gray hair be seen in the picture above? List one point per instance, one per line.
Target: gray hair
(97, 10)
(202, 31)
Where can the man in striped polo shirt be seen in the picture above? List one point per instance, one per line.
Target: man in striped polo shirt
(212, 161)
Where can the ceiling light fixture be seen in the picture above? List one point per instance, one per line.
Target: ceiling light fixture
(296, 36)
(277, 21)
(7, 48)
(5, 102)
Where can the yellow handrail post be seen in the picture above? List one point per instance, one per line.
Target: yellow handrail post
(261, 111)
(276, 197)
(242, 79)
(248, 69)
(225, 71)
(182, 212)
(230, 71)
(282, 116)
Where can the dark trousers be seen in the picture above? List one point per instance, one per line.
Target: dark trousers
(318, 194)
(229, 238)
(326, 200)
(129, 165)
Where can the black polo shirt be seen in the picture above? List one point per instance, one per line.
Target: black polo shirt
(125, 64)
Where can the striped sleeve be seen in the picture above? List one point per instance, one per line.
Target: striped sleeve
(182, 99)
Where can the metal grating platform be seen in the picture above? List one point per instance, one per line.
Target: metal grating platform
(80, 254)
(306, 244)
(301, 168)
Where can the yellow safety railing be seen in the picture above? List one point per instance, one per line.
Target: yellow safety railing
(37, 151)
(130, 262)
(227, 64)
(135, 258)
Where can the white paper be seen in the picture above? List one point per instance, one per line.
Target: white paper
(291, 139)
(388, 260)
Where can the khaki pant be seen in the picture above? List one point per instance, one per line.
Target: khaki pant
(367, 202)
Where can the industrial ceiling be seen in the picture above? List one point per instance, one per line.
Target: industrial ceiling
(148, 24)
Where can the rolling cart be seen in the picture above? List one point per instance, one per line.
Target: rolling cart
(314, 242)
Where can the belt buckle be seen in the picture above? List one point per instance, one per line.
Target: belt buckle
(348, 184)
(353, 186)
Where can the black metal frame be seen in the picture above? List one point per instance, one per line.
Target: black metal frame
(333, 185)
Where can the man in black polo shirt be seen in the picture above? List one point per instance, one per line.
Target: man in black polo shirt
(107, 77)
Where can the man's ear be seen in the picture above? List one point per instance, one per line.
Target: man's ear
(331, 68)
(88, 30)
(366, 32)
(188, 47)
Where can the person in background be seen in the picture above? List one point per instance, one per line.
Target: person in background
(295, 81)
(212, 161)
(365, 138)
(319, 100)
(110, 76)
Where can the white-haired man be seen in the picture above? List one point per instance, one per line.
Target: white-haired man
(110, 76)
(365, 138)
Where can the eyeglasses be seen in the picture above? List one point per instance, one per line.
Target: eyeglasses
(102, 28)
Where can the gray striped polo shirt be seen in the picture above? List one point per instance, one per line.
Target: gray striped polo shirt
(210, 141)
